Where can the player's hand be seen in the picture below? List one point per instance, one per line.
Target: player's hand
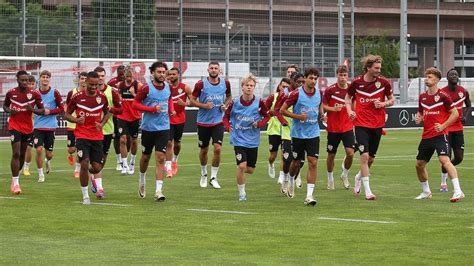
(173, 113)
(463, 120)
(324, 118)
(352, 115)
(209, 105)
(255, 125)
(132, 91)
(223, 108)
(338, 107)
(98, 126)
(230, 129)
(80, 120)
(46, 111)
(12, 111)
(379, 104)
(304, 117)
(158, 108)
(438, 127)
(418, 118)
(29, 108)
(181, 102)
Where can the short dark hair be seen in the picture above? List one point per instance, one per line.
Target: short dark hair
(175, 69)
(156, 65)
(121, 68)
(31, 78)
(99, 69)
(311, 71)
(92, 74)
(452, 69)
(286, 80)
(82, 74)
(295, 66)
(342, 69)
(213, 63)
(20, 73)
(295, 76)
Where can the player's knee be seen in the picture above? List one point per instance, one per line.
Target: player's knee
(349, 153)
(249, 170)
(457, 159)
(123, 139)
(16, 155)
(419, 165)
(217, 148)
(242, 167)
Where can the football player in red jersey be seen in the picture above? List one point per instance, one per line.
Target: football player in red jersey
(26, 165)
(180, 93)
(339, 126)
(20, 103)
(92, 110)
(460, 97)
(437, 112)
(371, 94)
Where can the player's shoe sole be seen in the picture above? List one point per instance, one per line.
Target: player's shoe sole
(424, 195)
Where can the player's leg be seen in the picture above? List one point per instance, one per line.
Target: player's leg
(71, 146)
(273, 144)
(15, 161)
(118, 154)
(458, 147)
(442, 148)
(217, 138)
(177, 136)
(312, 151)
(169, 152)
(425, 151)
(349, 147)
(298, 149)
(71, 149)
(160, 153)
(148, 144)
(333, 140)
(368, 159)
(241, 160)
(39, 137)
(287, 158)
(133, 141)
(204, 136)
(26, 165)
(83, 154)
(48, 147)
(123, 132)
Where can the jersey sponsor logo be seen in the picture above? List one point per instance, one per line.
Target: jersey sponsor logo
(82, 113)
(238, 156)
(436, 98)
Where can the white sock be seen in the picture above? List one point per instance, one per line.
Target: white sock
(132, 159)
(175, 157)
(365, 181)
(118, 156)
(456, 186)
(85, 192)
(77, 168)
(345, 171)
(444, 178)
(282, 174)
(168, 165)
(241, 189)
(271, 165)
(98, 182)
(214, 171)
(40, 171)
(330, 177)
(124, 162)
(309, 190)
(159, 185)
(425, 186)
(142, 177)
(286, 177)
(292, 181)
(26, 165)
(204, 170)
(16, 180)
(357, 175)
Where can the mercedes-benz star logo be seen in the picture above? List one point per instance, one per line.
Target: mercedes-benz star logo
(403, 117)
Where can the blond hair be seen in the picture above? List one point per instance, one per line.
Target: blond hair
(433, 71)
(369, 61)
(247, 78)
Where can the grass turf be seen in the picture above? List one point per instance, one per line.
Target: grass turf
(47, 223)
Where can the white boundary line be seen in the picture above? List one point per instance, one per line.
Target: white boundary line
(221, 211)
(356, 220)
(13, 198)
(107, 204)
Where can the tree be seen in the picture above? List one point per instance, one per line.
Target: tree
(389, 50)
(11, 28)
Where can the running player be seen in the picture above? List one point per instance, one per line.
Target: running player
(26, 165)
(128, 121)
(45, 125)
(339, 126)
(306, 102)
(437, 112)
(369, 91)
(211, 96)
(92, 110)
(460, 97)
(180, 93)
(155, 100)
(243, 119)
(71, 139)
(114, 104)
(19, 103)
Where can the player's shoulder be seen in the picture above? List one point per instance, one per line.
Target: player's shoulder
(330, 88)
(35, 93)
(12, 90)
(383, 80)
(200, 82)
(462, 89)
(358, 79)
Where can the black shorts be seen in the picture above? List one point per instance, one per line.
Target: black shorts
(30, 141)
(286, 150)
(90, 149)
(334, 139)
(300, 146)
(176, 132)
(456, 140)
(428, 146)
(206, 133)
(243, 154)
(71, 139)
(106, 143)
(368, 139)
(274, 142)
(128, 128)
(154, 139)
(116, 132)
(16, 136)
(43, 138)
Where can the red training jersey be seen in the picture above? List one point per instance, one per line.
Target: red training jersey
(458, 97)
(338, 122)
(435, 109)
(128, 112)
(17, 100)
(92, 108)
(178, 93)
(366, 93)
(113, 82)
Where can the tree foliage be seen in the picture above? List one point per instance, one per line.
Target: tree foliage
(388, 49)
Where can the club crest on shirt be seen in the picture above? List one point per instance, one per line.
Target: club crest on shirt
(238, 156)
(98, 100)
(29, 95)
(180, 91)
(378, 84)
(436, 98)
(36, 141)
(460, 94)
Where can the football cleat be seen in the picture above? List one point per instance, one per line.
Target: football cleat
(100, 194)
(86, 201)
(424, 195)
(243, 197)
(48, 166)
(119, 167)
(70, 159)
(310, 201)
(345, 182)
(298, 181)
(284, 187)
(331, 184)
(370, 197)
(77, 174)
(281, 179)
(41, 179)
(159, 196)
(169, 173)
(124, 170)
(203, 182)
(93, 184)
(16, 189)
(291, 192)
(213, 182)
(174, 168)
(271, 170)
(457, 197)
(141, 191)
(357, 184)
(26, 171)
(443, 188)
(131, 169)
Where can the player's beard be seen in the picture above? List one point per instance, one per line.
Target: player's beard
(158, 81)
(213, 76)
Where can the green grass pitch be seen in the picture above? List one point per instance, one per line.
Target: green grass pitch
(48, 225)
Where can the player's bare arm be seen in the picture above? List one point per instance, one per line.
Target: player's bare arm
(466, 110)
(284, 111)
(350, 112)
(453, 116)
